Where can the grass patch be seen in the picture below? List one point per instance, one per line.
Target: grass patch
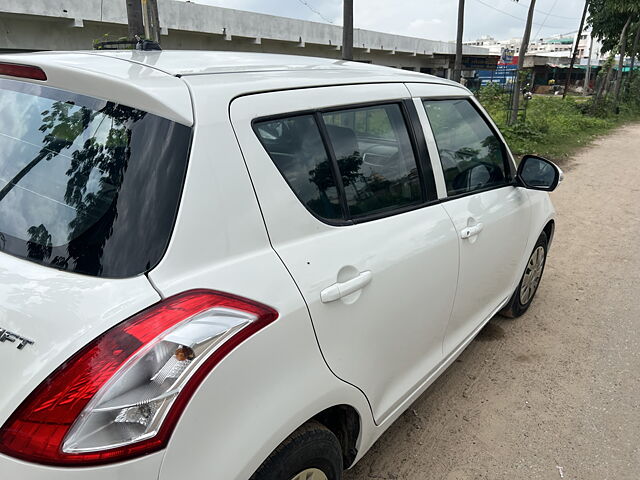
(554, 128)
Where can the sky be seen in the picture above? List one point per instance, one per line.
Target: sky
(432, 19)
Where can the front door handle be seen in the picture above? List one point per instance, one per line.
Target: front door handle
(342, 289)
(472, 231)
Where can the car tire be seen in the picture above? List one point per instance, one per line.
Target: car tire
(312, 452)
(528, 286)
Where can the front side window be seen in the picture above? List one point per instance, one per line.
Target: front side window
(375, 157)
(87, 185)
(472, 156)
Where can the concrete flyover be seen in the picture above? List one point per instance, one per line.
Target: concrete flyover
(27, 25)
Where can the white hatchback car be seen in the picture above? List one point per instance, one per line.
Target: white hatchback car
(234, 266)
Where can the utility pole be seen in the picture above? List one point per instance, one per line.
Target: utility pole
(151, 20)
(575, 50)
(134, 17)
(457, 69)
(587, 78)
(515, 105)
(347, 30)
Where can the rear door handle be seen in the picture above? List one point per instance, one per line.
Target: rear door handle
(342, 289)
(469, 232)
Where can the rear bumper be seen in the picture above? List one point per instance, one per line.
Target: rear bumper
(145, 468)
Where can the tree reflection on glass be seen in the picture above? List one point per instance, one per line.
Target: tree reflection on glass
(322, 177)
(494, 149)
(99, 158)
(351, 170)
(322, 174)
(63, 128)
(96, 211)
(39, 244)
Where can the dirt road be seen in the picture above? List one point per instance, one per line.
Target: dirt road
(556, 393)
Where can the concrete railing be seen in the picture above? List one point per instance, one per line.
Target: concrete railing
(228, 23)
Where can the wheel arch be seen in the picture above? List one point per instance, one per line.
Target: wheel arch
(257, 397)
(345, 423)
(549, 230)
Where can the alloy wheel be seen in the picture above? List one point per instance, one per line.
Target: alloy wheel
(532, 275)
(310, 474)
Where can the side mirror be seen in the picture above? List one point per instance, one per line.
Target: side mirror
(537, 173)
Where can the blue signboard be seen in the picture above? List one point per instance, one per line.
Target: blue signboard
(503, 75)
(505, 71)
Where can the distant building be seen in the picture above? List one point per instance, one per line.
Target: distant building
(587, 45)
(547, 59)
(494, 46)
(559, 46)
(557, 43)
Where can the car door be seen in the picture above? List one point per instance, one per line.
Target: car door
(372, 252)
(491, 214)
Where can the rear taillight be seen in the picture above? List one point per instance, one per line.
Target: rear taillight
(22, 71)
(121, 395)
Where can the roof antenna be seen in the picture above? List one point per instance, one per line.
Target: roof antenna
(138, 44)
(146, 45)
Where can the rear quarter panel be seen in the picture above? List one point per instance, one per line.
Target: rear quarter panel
(60, 312)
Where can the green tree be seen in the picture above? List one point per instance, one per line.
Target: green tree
(611, 22)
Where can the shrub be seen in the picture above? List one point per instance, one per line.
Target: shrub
(554, 127)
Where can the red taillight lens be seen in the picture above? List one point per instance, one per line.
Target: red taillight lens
(38, 429)
(22, 71)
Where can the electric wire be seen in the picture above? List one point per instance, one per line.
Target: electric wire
(545, 20)
(511, 15)
(303, 2)
(549, 14)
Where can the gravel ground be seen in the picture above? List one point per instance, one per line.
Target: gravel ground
(554, 394)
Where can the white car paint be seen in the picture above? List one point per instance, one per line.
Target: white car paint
(241, 230)
(488, 265)
(388, 319)
(110, 78)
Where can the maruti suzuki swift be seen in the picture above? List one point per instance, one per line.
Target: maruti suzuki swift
(242, 266)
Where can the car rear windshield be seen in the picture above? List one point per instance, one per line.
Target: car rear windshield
(87, 185)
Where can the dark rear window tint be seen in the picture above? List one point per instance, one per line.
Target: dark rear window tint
(295, 146)
(375, 158)
(87, 185)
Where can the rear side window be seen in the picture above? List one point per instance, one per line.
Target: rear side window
(375, 158)
(472, 157)
(295, 146)
(346, 164)
(87, 185)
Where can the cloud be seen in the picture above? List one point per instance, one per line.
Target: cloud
(420, 26)
(432, 19)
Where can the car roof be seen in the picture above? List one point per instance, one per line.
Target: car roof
(198, 62)
(151, 80)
